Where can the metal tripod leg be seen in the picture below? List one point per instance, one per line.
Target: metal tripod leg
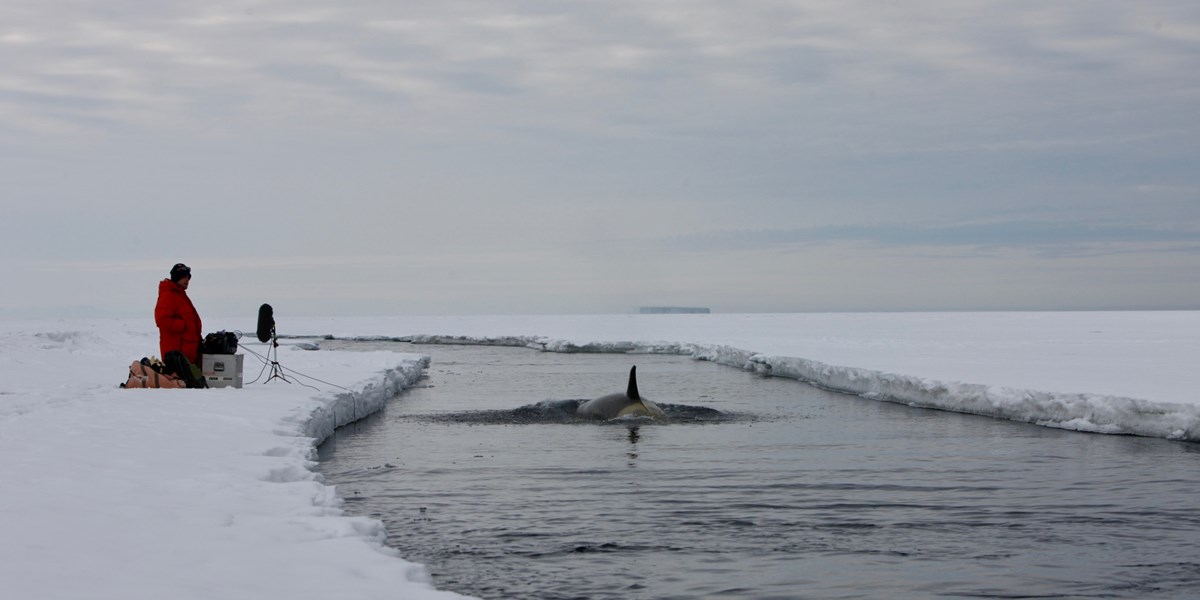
(276, 369)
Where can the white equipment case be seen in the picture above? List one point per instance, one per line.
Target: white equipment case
(222, 370)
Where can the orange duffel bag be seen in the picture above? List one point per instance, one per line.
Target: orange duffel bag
(141, 375)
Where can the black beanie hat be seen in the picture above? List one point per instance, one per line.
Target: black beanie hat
(179, 271)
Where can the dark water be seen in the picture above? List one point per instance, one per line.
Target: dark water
(757, 488)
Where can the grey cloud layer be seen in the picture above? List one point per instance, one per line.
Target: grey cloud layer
(625, 135)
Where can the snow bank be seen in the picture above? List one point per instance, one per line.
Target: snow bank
(1107, 372)
(1095, 413)
(183, 494)
(350, 406)
(1081, 412)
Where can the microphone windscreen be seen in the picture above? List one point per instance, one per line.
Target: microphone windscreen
(266, 323)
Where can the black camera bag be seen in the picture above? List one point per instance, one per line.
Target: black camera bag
(221, 342)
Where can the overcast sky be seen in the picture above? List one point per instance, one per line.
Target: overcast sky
(493, 157)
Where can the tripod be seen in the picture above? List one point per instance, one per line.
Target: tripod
(276, 370)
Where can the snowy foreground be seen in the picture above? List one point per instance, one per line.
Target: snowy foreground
(184, 494)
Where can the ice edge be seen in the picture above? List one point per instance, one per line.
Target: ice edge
(1086, 412)
(349, 406)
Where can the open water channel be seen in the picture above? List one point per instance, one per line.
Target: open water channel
(756, 487)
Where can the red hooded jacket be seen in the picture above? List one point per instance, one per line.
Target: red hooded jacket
(178, 322)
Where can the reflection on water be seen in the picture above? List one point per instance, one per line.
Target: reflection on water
(755, 488)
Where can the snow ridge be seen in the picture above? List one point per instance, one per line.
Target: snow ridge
(349, 406)
(1096, 413)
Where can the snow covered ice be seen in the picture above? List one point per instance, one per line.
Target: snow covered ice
(113, 493)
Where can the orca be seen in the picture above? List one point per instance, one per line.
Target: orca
(620, 405)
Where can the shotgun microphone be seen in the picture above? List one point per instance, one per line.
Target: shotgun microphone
(266, 323)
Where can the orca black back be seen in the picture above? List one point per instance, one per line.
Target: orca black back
(632, 390)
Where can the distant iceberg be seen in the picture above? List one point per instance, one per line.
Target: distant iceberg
(673, 310)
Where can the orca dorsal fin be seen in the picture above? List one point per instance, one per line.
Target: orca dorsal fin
(632, 391)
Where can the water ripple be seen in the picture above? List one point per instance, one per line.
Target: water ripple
(755, 488)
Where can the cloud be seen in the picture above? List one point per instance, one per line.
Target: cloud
(559, 148)
(1049, 238)
(163, 61)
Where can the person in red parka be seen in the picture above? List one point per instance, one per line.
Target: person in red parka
(178, 322)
